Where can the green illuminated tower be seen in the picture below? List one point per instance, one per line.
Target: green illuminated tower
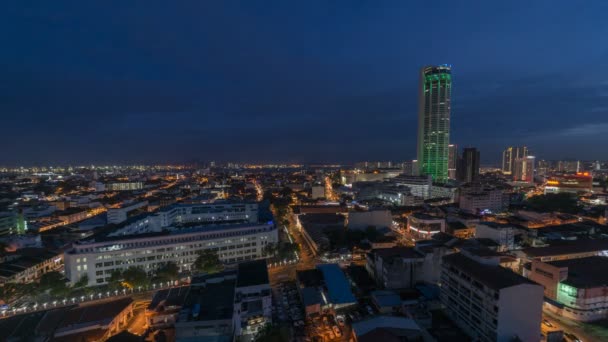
(434, 121)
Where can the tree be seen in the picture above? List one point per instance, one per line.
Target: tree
(134, 277)
(55, 282)
(167, 272)
(272, 333)
(563, 202)
(269, 249)
(82, 282)
(208, 262)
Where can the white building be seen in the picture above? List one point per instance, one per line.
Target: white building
(119, 215)
(502, 234)
(424, 226)
(486, 300)
(483, 199)
(252, 298)
(419, 185)
(98, 257)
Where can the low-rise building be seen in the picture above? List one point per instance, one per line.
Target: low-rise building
(387, 328)
(577, 288)
(98, 256)
(121, 214)
(27, 265)
(502, 234)
(208, 310)
(424, 226)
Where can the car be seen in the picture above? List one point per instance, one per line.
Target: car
(337, 331)
(572, 337)
(547, 323)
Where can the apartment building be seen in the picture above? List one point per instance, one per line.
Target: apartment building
(489, 302)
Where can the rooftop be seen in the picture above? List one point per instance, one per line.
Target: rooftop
(568, 247)
(388, 328)
(338, 287)
(252, 273)
(401, 252)
(494, 277)
(583, 272)
(214, 301)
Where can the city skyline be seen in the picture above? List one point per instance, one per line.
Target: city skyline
(129, 87)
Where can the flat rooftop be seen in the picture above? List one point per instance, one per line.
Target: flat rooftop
(494, 277)
(569, 247)
(585, 272)
(252, 273)
(215, 301)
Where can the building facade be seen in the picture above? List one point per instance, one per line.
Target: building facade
(233, 243)
(509, 155)
(435, 95)
(468, 170)
(524, 169)
(485, 300)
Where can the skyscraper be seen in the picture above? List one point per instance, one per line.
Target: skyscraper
(452, 160)
(509, 155)
(468, 168)
(434, 121)
(523, 169)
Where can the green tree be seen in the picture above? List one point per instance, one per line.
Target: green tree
(564, 202)
(82, 282)
(269, 249)
(135, 277)
(167, 272)
(55, 282)
(272, 333)
(208, 262)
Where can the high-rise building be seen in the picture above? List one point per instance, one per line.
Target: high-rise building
(452, 161)
(434, 121)
(509, 155)
(468, 168)
(524, 169)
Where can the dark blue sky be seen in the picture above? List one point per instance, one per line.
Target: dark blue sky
(171, 81)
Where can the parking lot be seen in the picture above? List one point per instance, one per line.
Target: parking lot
(287, 308)
(328, 327)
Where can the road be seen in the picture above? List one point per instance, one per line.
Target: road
(568, 326)
(138, 325)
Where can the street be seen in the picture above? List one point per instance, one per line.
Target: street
(568, 326)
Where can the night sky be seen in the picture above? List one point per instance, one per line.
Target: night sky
(317, 81)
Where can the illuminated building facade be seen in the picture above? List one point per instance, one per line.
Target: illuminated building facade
(576, 285)
(452, 161)
(572, 183)
(233, 243)
(424, 226)
(510, 155)
(524, 169)
(434, 121)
